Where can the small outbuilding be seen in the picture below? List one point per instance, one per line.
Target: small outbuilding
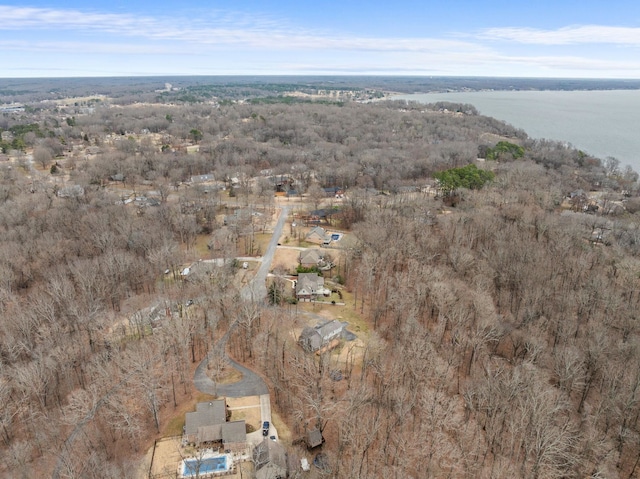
(314, 438)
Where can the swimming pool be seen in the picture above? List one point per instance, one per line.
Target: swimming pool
(206, 465)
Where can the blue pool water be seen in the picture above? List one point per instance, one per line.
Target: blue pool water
(190, 467)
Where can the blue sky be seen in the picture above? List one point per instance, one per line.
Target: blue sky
(579, 39)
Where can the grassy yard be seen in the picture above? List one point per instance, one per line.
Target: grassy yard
(347, 313)
(200, 248)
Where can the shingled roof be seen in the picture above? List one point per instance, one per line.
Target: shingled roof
(206, 414)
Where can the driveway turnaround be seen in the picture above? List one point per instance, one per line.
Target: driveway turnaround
(251, 384)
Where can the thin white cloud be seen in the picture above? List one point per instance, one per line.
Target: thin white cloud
(221, 29)
(89, 48)
(571, 35)
(241, 43)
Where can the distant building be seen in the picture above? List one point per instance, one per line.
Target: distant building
(334, 191)
(203, 178)
(11, 108)
(73, 191)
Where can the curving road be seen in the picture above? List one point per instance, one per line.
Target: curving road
(251, 384)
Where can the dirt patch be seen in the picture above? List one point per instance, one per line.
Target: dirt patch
(166, 458)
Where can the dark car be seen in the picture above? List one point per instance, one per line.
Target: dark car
(265, 428)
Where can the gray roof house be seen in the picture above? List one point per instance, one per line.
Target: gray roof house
(312, 339)
(270, 460)
(317, 235)
(209, 424)
(310, 257)
(234, 436)
(207, 414)
(309, 286)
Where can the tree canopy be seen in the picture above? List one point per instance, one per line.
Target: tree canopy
(470, 177)
(505, 149)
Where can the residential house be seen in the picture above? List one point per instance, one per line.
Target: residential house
(234, 436)
(322, 216)
(317, 235)
(334, 191)
(203, 178)
(206, 414)
(270, 459)
(208, 424)
(312, 339)
(310, 257)
(309, 286)
(281, 183)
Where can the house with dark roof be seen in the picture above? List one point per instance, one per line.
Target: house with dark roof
(314, 338)
(208, 424)
(270, 460)
(234, 436)
(206, 414)
(334, 191)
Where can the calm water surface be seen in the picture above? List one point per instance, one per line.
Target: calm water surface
(601, 123)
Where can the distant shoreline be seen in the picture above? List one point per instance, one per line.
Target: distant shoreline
(599, 122)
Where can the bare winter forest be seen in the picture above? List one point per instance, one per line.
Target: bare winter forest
(497, 321)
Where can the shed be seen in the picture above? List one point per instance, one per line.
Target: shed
(314, 438)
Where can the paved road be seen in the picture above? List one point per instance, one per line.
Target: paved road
(251, 384)
(257, 288)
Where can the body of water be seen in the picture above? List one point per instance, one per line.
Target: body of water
(601, 123)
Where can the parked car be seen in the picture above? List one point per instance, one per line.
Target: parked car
(265, 428)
